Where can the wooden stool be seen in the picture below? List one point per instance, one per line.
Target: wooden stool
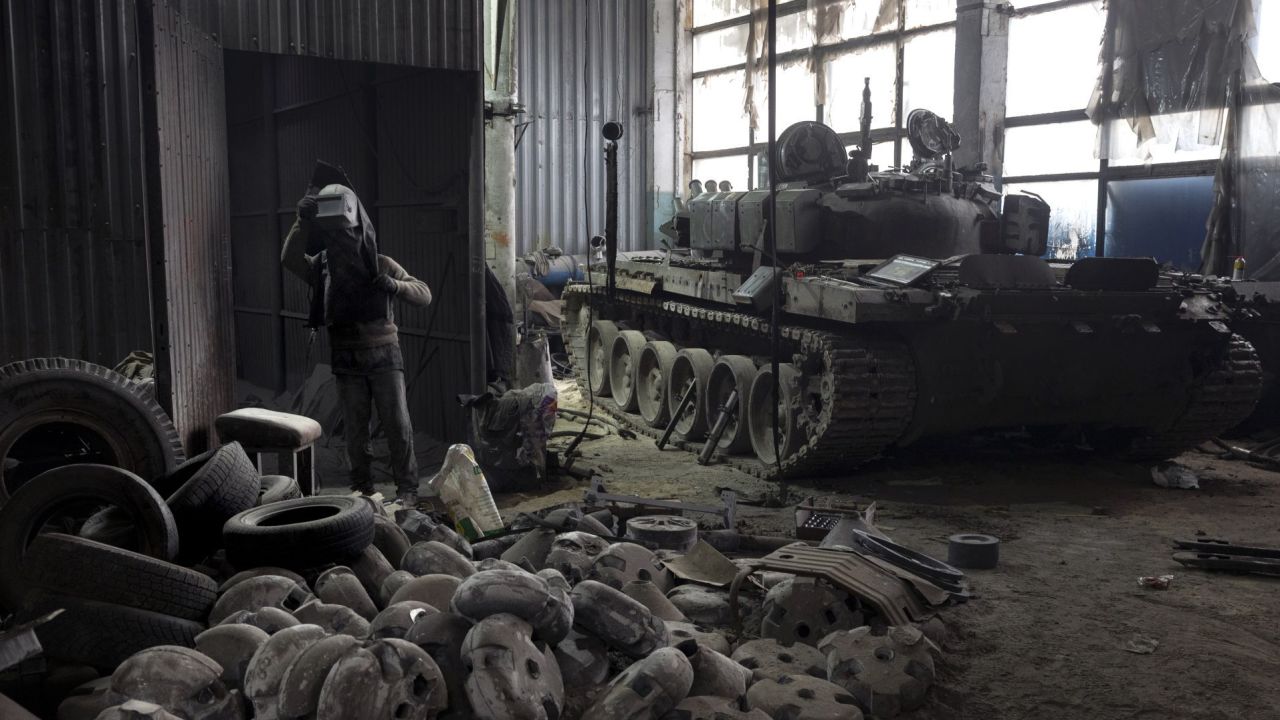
(269, 432)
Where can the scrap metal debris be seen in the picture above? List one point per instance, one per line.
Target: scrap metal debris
(1174, 476)
(1219, 554)
(1155, 582)
(362, 613)
(1140, 644)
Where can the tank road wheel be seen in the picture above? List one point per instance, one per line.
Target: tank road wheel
(622, 368)
(731, 372)
(760, 413)
(691, 366)
(599, 342)
(652, 372)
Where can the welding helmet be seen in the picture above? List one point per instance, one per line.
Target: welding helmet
(337, 208)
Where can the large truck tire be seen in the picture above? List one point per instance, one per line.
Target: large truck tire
(54, 493)
(64, 400)
(66, 565)
(104, 634)
(299, 534)
(274, 488)
(210, 489)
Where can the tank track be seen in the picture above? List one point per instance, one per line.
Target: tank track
(1222, 398)
(861, 389)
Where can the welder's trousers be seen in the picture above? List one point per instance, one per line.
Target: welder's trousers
(360, 394)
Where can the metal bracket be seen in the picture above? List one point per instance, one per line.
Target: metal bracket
(502, 108)
(596, 495)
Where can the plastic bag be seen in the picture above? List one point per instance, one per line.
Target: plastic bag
(465, 492)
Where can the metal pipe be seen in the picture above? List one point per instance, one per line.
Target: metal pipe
(685, 402)
(475, 241)
(722, 421)
(612, 132)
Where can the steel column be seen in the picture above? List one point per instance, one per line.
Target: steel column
(982, 59)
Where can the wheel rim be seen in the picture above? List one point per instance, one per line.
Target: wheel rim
(598, 364)
(760, 415)
(681, 380)
(732, 372)
(654, 365)
(622, 366)
(44, 440)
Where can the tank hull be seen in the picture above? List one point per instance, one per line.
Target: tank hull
(883, 369)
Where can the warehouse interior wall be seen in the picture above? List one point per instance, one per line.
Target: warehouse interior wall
(581, 64)
(402, 135)
(73, 226)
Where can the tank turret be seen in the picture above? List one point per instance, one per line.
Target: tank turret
(832, 204)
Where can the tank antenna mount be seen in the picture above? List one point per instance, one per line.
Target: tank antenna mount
(864, 122)
(612, 132)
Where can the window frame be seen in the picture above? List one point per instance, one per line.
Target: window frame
(1105, 173)
(820, 53)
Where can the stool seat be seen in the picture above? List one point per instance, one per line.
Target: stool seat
(259, 428)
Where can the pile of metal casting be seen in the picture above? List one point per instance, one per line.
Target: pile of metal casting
(329, 607)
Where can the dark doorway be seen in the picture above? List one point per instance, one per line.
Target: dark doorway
(402, 135)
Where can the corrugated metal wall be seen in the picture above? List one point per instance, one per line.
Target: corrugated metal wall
(582, 63)
(72, 228)
(189, 221)
(401, 135)
(426, 33)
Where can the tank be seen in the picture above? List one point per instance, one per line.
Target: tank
(900, 304)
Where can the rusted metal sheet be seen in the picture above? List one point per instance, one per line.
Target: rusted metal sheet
(581, 63)
(72, 227)
(440, 34)
(189, 222)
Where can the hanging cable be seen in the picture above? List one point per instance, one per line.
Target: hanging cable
(775, 333)
(586, 225)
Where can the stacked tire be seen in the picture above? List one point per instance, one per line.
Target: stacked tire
(127, 581)
(115, 602)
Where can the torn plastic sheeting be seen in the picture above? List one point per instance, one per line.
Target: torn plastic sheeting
(1176, 58)
(704, 564)
(1185, 77)
(825, 20)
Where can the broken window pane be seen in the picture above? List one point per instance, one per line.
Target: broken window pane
(795, 98)
(706, 12)
(719, 112)
(719, 48)
(1050, 149)
(845, 75)
(1266, 45)
(1162, 218)
(868, 16)
(1073, 215)
(928, 69)
(881, 154)
(1179, 137)
(1053, 59)
(733, 168)
(794, 33)
(930, 12)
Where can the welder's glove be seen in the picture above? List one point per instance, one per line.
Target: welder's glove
(386, 284)
(308, 207)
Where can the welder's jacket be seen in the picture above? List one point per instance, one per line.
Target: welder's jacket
(358, 315)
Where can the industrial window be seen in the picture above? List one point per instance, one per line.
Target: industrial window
(825, 50)
(1111, 195)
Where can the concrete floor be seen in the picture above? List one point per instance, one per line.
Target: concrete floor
(1042, 638)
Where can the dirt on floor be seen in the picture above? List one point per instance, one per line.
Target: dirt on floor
(1043, 636)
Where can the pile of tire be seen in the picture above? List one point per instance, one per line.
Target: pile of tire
(137, 571)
